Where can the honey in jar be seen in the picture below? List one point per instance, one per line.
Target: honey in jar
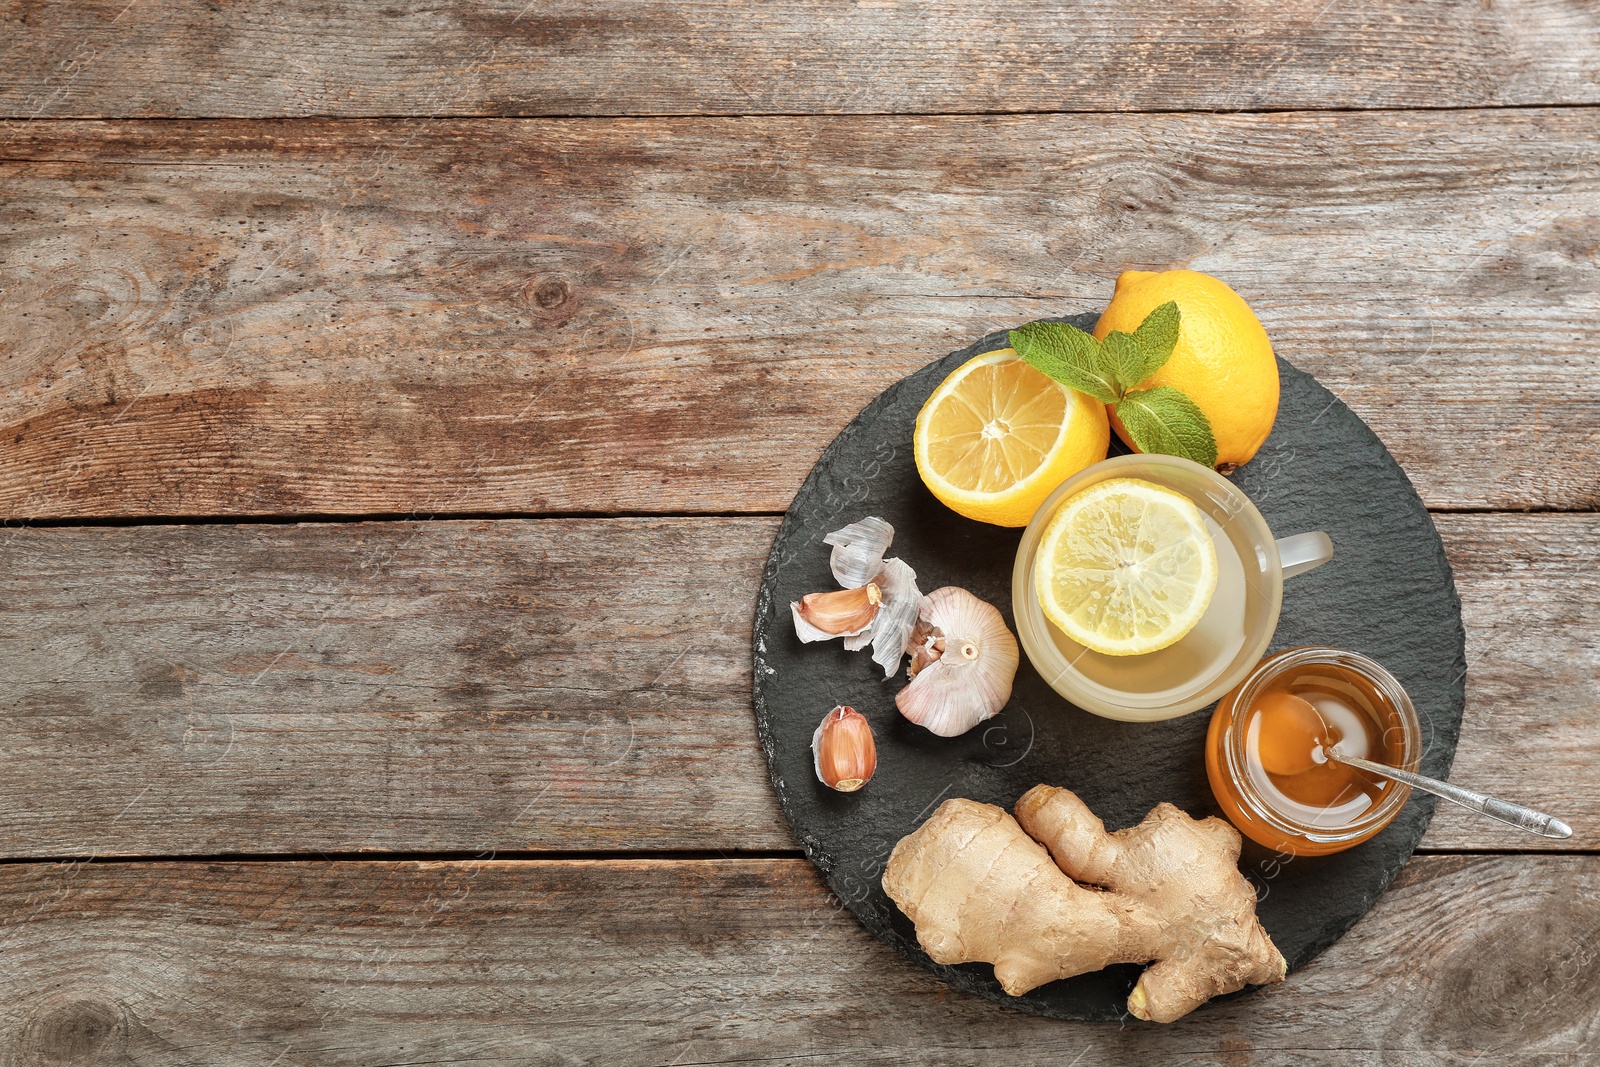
(1266, 752)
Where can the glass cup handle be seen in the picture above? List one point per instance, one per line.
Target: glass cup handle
(1304, 552)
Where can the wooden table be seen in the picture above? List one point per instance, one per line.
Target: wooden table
(399, 401)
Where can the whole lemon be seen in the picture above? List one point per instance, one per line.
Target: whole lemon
(1222, 360)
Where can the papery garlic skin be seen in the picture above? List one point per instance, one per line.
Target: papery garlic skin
(966, 661)
(858, 550)
(897, 615)
(843, 753)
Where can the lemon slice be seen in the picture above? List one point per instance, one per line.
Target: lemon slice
(1126, 567)
(997, 437)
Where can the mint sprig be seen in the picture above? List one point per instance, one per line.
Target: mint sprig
(1162, 419)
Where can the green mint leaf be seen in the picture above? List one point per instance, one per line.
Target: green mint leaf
(1068, 355)
(1154, 341)
(1123, 359)
(1165, 420)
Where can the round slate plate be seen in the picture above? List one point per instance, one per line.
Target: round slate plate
(1387, 593)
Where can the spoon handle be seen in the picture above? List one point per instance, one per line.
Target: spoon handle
(1535, 822)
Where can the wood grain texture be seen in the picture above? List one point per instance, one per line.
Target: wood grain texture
(646, 315)
(388, 686)
(638, 962)
(555, 684)
(109, 58)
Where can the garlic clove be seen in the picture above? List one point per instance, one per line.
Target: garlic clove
(858, 550)
(842, 750)
(839, 613)
(891, 630)
(964, 665)
(924, 649)
(804, 630)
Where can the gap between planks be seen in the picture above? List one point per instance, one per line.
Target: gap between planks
(294, 519)
(710, 855)
(719, 855)
(14, 524)
(678, 116)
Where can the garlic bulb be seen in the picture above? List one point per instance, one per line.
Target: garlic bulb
(963, 663)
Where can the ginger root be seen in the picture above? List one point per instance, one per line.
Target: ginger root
(980, 889)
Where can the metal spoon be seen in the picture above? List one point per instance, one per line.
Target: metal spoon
(1295, 713)
(1535, 822)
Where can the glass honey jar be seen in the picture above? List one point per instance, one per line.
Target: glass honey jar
(1322, 806)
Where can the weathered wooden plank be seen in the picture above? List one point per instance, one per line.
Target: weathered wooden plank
(555, 684)
(1464, 961)
(641, 315)
(395, 686)
(1530, 598)
(504, 57)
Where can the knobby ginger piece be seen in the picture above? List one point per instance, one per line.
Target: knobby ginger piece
(980, 889)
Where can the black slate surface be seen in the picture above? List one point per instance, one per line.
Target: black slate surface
(1388, 593)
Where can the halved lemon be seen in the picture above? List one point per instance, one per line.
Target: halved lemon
(997, 437)
(1126, 567)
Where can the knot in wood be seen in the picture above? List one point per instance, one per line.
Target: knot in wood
(85, 1030)
(550, 293)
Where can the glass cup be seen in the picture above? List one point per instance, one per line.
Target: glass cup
(1222, 648)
